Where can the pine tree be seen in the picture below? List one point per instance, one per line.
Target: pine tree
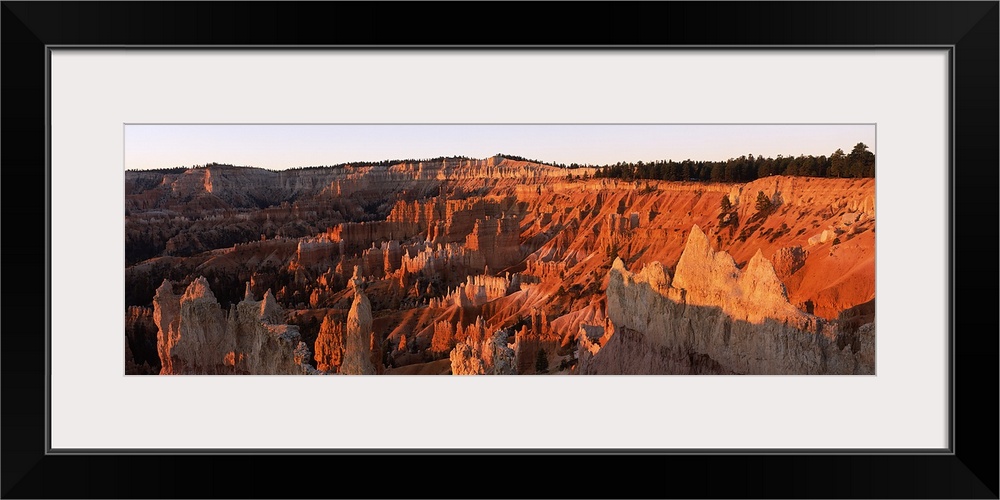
(763, 202)
(838, 164)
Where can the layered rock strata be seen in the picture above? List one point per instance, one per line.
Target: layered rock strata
(713, 317)
(447, 247)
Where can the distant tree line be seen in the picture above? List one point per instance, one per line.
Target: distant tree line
(170, 170)
(521, 158)
(181, 169)
(859, 163)
(571, 166)
(383, 163)
(352, 164)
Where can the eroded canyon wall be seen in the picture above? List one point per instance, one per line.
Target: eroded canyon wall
(713, 317)
(195, 336)
(586, 276)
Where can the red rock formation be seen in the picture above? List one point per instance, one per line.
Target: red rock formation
(529, 340)
(478, 290)
(392, 254)
(443, 242)
(444, 338)
(788, 260)
(329, 346)
(422, 213)
(377, 353)
(352, 238)
(427, 259)
(496, 243)
(320, 249)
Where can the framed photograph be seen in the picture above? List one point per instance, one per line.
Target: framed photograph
(672, 238)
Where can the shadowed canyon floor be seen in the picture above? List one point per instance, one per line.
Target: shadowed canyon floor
(494, 266)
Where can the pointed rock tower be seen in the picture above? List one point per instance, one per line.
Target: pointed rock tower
(357, 338)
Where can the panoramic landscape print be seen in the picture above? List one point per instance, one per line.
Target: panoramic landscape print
(499, 250)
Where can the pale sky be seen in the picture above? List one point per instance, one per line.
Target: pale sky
(278, 147)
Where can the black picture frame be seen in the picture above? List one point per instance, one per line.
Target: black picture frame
(968, 470)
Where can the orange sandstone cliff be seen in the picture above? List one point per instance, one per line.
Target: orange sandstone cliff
(495, 266)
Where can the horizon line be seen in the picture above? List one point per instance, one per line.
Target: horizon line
(397, 161)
